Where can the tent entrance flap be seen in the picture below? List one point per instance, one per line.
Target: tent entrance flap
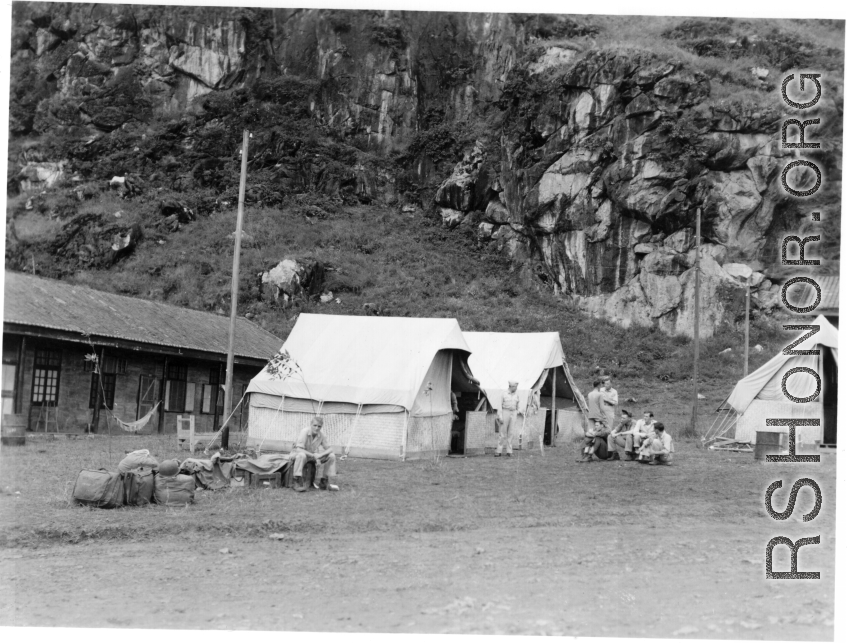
(433, 398)
(829, 384)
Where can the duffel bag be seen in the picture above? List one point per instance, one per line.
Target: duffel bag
(136, 460)
(174, 491)
(100, 488)
(138, 487)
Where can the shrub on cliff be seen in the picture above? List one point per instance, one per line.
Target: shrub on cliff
(547, 25)
(439, 143)
(733, 39)
(388, 33)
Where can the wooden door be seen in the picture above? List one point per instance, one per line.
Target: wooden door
(10, 379)
(148, 394)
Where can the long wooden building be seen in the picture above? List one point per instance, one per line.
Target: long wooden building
(149, 352)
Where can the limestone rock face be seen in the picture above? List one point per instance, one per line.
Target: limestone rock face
(586, 166)
(450, 217)
(36, 176)
(629, 150)
(292, 278)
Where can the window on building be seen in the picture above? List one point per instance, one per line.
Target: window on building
(213, 395)
(45, 377)
(176, 387)
(111, 364)
(177, 371)
(108, 399)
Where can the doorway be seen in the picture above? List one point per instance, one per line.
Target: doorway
(458, 431)
(830, 397)
(548, 428)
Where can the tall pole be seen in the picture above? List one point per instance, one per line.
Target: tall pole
(162, 387)
(98, 398)
(747, 327)
(696, 324)
(553, 414)
(236, 259)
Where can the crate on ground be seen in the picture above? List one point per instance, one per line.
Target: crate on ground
(310, 470)
(269, 480)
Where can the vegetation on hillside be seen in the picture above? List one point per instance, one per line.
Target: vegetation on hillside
(409, 265)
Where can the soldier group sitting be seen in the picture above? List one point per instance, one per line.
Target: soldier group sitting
(644, 441)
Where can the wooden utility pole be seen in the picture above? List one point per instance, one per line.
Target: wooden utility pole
(162, 387)
(695, 408)
(236, 259)
(98, 397)
(747, 327)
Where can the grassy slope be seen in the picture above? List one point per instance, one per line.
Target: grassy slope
(410, 265)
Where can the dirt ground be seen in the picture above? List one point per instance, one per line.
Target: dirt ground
(535, 545)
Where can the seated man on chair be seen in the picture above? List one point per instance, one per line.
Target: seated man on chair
(312, 446)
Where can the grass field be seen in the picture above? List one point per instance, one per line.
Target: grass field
(520, 545)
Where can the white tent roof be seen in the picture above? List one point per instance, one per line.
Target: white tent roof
(765, 383)
(362, 360)
(498, 358)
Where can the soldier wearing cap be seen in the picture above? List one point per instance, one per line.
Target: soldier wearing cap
(508, 419)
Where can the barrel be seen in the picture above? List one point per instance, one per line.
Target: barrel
(767, 443)
(13, 430)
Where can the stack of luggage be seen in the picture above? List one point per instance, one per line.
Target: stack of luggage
(140, 480)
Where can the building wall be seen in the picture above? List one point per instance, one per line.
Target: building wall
(73, 413)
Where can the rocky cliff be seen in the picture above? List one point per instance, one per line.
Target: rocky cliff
(582, 156)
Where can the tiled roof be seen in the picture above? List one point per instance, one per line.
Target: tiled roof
(46, 303)
(829, 294)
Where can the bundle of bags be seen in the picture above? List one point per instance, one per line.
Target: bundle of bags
(139, 480)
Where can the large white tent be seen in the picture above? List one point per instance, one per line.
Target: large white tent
(382, 385)
(537, 362)
(759, 396)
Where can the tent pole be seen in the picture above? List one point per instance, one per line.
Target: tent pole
(233, 304)
(553, 418)
(405, 434)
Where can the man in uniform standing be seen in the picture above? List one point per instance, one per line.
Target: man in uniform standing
(610, 401)
(508, 419)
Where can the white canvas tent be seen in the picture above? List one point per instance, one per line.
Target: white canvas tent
(759, 396)
(536, 361)
(382, 385)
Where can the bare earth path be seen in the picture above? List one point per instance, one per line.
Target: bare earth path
(709, 583)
